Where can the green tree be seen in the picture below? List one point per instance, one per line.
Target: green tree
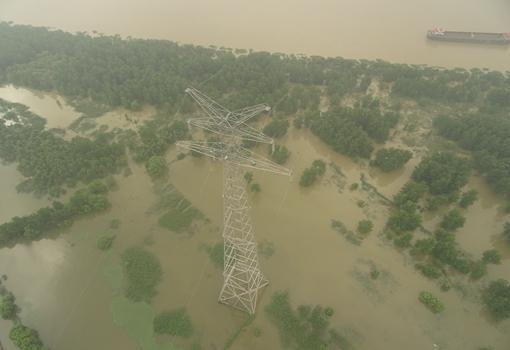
(497, 299)
(276, 128)
(409, 194)
(468, 198)
(390, 159)
(26, 338)
(443, 172)
(281, 154)
(156, 166)
(453, 220)
(8, 307)
(423, 246)
(310, 175)
(491, 256)
(406, 219)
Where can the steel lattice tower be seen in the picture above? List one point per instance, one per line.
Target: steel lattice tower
(242, 277)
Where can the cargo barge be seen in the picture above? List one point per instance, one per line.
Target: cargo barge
(469, 37)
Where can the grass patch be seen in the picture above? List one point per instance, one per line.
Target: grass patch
(136, 319)
(176, 322)
(216, 254)
(105, 242)
(349, 235)
(232, 338)
(266, 248)
(142, 274)
(179, 212)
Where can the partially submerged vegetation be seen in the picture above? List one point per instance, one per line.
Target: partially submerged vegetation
(311, 174)
(90, 200)
(179, 213)
(431, 302)
(25, 338)
(306, 327)
(295, 85)
(176, 322)
(50, 162)
(497, 299)
(390, 159)
(142, 274)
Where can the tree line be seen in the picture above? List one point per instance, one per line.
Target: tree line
(131, 72)
(89, 200)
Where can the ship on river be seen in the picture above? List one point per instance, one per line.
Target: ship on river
(469, 37)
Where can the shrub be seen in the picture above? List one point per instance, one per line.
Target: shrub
(478, 270)
(255, 188)
(506, 231)
(491, 256)
(248, 176)
(365, 227)
(431, 302)
(429, 270)
(304, 328)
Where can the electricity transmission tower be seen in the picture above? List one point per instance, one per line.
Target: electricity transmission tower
(242, 277)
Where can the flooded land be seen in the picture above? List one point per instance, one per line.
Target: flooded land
(69, 290)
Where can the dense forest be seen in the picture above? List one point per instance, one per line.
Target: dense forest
(131, 72)
(488, 137)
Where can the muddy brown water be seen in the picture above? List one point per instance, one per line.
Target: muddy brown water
(60, 284)
(390, 30)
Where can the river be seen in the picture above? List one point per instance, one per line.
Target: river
(64, 285)
(392, 30)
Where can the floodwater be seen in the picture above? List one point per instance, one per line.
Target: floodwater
(43, 104)
(66, 289)
(371, 29)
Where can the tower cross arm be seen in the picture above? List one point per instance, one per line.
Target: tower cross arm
(211, 107)
(243, 115)
(244, 157)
